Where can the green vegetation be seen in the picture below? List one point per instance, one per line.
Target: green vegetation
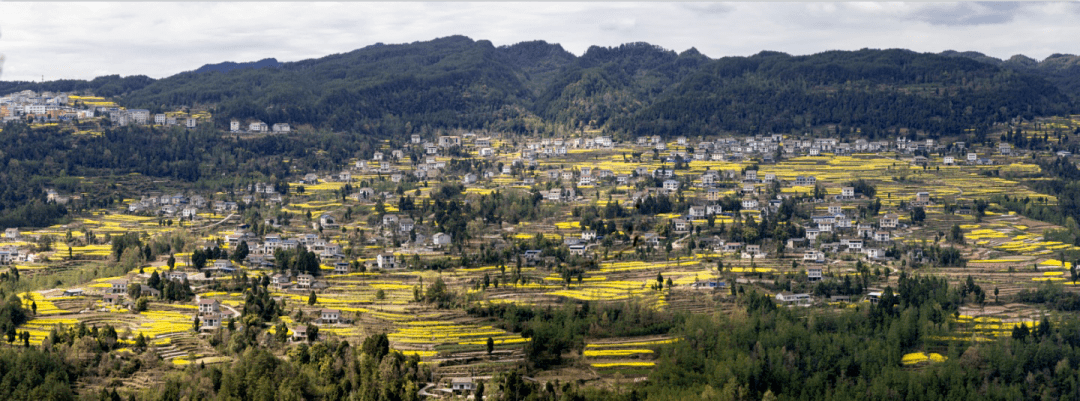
(374, 271)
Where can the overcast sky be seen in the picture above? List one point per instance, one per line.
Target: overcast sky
(85, 40)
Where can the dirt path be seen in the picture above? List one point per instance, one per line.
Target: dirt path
(215, 224)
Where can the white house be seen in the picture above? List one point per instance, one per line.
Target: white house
(464, 384)
(329, 316)
(796, 299)
(305, 280)
(847, 192)
(406, 225)
(441, 239)
(889, 221)
(118, 287)
(386, 261)
(207, 306)
(258, 126)
(697, 212)
(389, 219)
(680, 225)
(212, 321)
(327, 221)
(814, 256)
(750, 175)
(753, 252)
(805, 181)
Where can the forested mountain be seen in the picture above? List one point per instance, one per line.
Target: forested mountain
(539, 62)
(873, 90)
(445, 82)
(609, 82)
(229, 65)
(634, 89)
(1062, 70)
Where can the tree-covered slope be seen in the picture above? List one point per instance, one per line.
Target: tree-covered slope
(448, 81)
(539, 63)
(1063, 70)
(229, 65)
(609, 82)
(109, 85)
(634, 88)
(874, 90)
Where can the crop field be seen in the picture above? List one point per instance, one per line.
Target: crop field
(1005, 252)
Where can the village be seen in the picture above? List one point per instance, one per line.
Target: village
(671, 224)
(76, 110)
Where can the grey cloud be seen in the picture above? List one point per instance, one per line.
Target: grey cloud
(621, 24)
(708, 8)
(967, 14)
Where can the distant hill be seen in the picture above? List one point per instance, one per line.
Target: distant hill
(230, 66)
(1063, 70)
(635, 88)
(872, 91)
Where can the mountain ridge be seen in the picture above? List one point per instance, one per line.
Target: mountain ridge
(230, 66)
(634, 88)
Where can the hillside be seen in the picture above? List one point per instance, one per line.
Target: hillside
(443, 82)
(110, 85)
(229, 66)
(634, 88)
(610, 82)
(872, 90)
(1063, 70)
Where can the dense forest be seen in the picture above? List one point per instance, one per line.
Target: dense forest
(50, 157)
(871, 90)
(1062, 70)
(633, 89)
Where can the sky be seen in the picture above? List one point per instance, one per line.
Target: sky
(83, 40)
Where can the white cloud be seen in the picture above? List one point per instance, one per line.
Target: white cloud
(84, 40)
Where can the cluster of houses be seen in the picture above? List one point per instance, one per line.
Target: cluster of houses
(556, 147)
(13, 253)
(180, 205)
(42, 107)
(212, 317)
(259, 127)
(210, 312)
(49, 107)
